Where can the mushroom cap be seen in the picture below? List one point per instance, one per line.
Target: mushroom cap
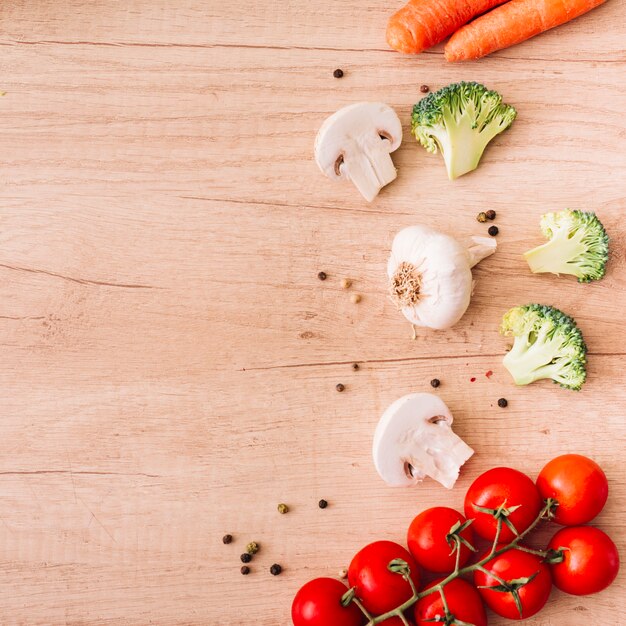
(354, 143)
(414, 439)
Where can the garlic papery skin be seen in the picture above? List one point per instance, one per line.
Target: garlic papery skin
(430, 277)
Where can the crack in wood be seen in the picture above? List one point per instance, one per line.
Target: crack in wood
(73, 473)
(398, 360)
(80, 281)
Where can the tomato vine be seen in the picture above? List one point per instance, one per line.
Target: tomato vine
(401, 567)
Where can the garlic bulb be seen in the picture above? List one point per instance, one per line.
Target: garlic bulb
(430, 275)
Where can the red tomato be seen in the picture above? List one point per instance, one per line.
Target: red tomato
(463, 601)
(318, 603)
(511, 565)
(495, 487)
(379, 589)
(578, 484)
(591, 561)
(428, 542)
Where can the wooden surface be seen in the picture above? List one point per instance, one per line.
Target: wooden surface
(169, 356)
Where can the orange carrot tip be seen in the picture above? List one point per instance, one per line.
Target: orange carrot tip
(459, 121)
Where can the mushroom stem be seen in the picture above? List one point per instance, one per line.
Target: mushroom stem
(405, 285)
(370, 172)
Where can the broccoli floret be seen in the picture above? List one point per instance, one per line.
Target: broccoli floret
(547, 345)
(578, 245)
(459, 121)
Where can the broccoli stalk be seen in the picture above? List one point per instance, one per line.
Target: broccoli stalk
(547, 344)
(578, 245)
(459, 121)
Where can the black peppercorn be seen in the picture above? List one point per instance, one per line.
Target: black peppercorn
(227, 539)
(245, 570)
(502, 403)
(435, 382)
(338, 73)
(355, 366)
(246, 558)
(493, 231)
(322, 276)
(424, 88)
(275, 569)
(322, 504)
(339, 387)
(491, 214)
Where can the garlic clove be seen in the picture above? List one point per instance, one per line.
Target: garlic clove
(480, 248)
(430, 277)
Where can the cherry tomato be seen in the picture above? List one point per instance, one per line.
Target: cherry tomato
(463, 600)
(495, 487)
(379, 589)
(512, 565)
(591, 561)
(578, 484)
(318, 603)
(428, 539)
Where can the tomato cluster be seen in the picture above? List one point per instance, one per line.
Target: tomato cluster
(512, 579)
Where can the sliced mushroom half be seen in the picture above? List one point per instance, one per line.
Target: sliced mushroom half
(355, 144)
(414, 439)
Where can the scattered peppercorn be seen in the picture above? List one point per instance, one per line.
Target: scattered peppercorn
(355, 366)
(322, 504)
(491, 214)
(283, 508)
(503, 403)
(493, 231)
(424, 88)
(275, 569)
(343, 573)
(473, 379)
(338, 73)
(489, 373)
(245, 570)
(246, 558)
(340, 387)
(227, 539)
(355, 298)
(322, 276)
(252, 547)
(345, 283)
(435, 382)
(481, 217)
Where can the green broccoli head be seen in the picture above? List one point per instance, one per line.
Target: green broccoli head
(459, 121)
(547, 344)
(578, 245)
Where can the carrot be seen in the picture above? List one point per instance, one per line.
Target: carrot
(420, 24)
(512, 23)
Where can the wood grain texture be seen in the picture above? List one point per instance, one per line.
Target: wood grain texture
(169, 356)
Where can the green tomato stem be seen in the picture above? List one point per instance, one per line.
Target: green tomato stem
(365, 612)
(542, 553)
(457, 562)
(497, 537)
